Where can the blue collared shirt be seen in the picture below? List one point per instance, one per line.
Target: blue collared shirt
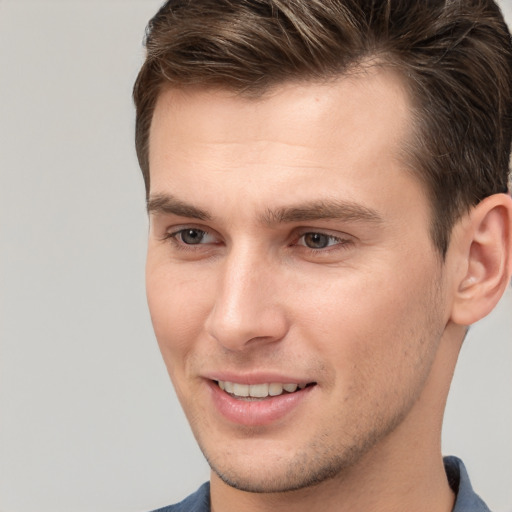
(467, 500)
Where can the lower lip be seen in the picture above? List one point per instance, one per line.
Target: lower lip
(256, 412)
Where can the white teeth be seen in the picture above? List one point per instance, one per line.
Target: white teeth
(258, 390)
(275, 389)
(241, 389)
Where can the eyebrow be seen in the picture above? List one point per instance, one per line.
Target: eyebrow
(169, 205)
(347, 211)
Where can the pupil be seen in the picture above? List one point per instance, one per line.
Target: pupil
(192, 236)
(316, 240)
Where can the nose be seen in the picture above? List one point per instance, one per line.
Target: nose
(246, 311)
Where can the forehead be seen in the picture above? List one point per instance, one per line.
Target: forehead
(368, 94)
(301, 134)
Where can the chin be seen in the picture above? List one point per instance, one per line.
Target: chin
(279, 473)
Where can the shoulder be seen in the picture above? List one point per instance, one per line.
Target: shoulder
(197, 502)
(466, 498)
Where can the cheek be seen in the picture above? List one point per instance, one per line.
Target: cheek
(375, 328)
(178, 306)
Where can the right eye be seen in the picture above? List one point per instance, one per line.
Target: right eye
(192, 236)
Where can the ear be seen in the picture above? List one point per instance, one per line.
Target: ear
(484, 254)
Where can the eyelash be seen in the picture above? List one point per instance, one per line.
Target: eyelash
(180, 244)
(339, 243)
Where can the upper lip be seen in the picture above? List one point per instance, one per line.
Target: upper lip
(257, 378)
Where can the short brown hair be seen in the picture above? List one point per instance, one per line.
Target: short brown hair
(454, 55)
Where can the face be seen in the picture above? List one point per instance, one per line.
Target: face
(293, 286)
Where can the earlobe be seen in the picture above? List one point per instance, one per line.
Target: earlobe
(485, 248)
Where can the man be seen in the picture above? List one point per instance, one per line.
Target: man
(327, 186)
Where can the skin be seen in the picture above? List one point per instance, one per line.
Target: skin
(369, 318)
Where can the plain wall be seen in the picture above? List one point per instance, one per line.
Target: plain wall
(88, 419)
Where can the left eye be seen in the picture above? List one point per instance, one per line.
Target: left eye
(318, 240)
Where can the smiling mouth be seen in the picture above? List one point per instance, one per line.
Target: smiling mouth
(260, 391)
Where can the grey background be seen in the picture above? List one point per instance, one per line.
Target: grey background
(88, 419)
